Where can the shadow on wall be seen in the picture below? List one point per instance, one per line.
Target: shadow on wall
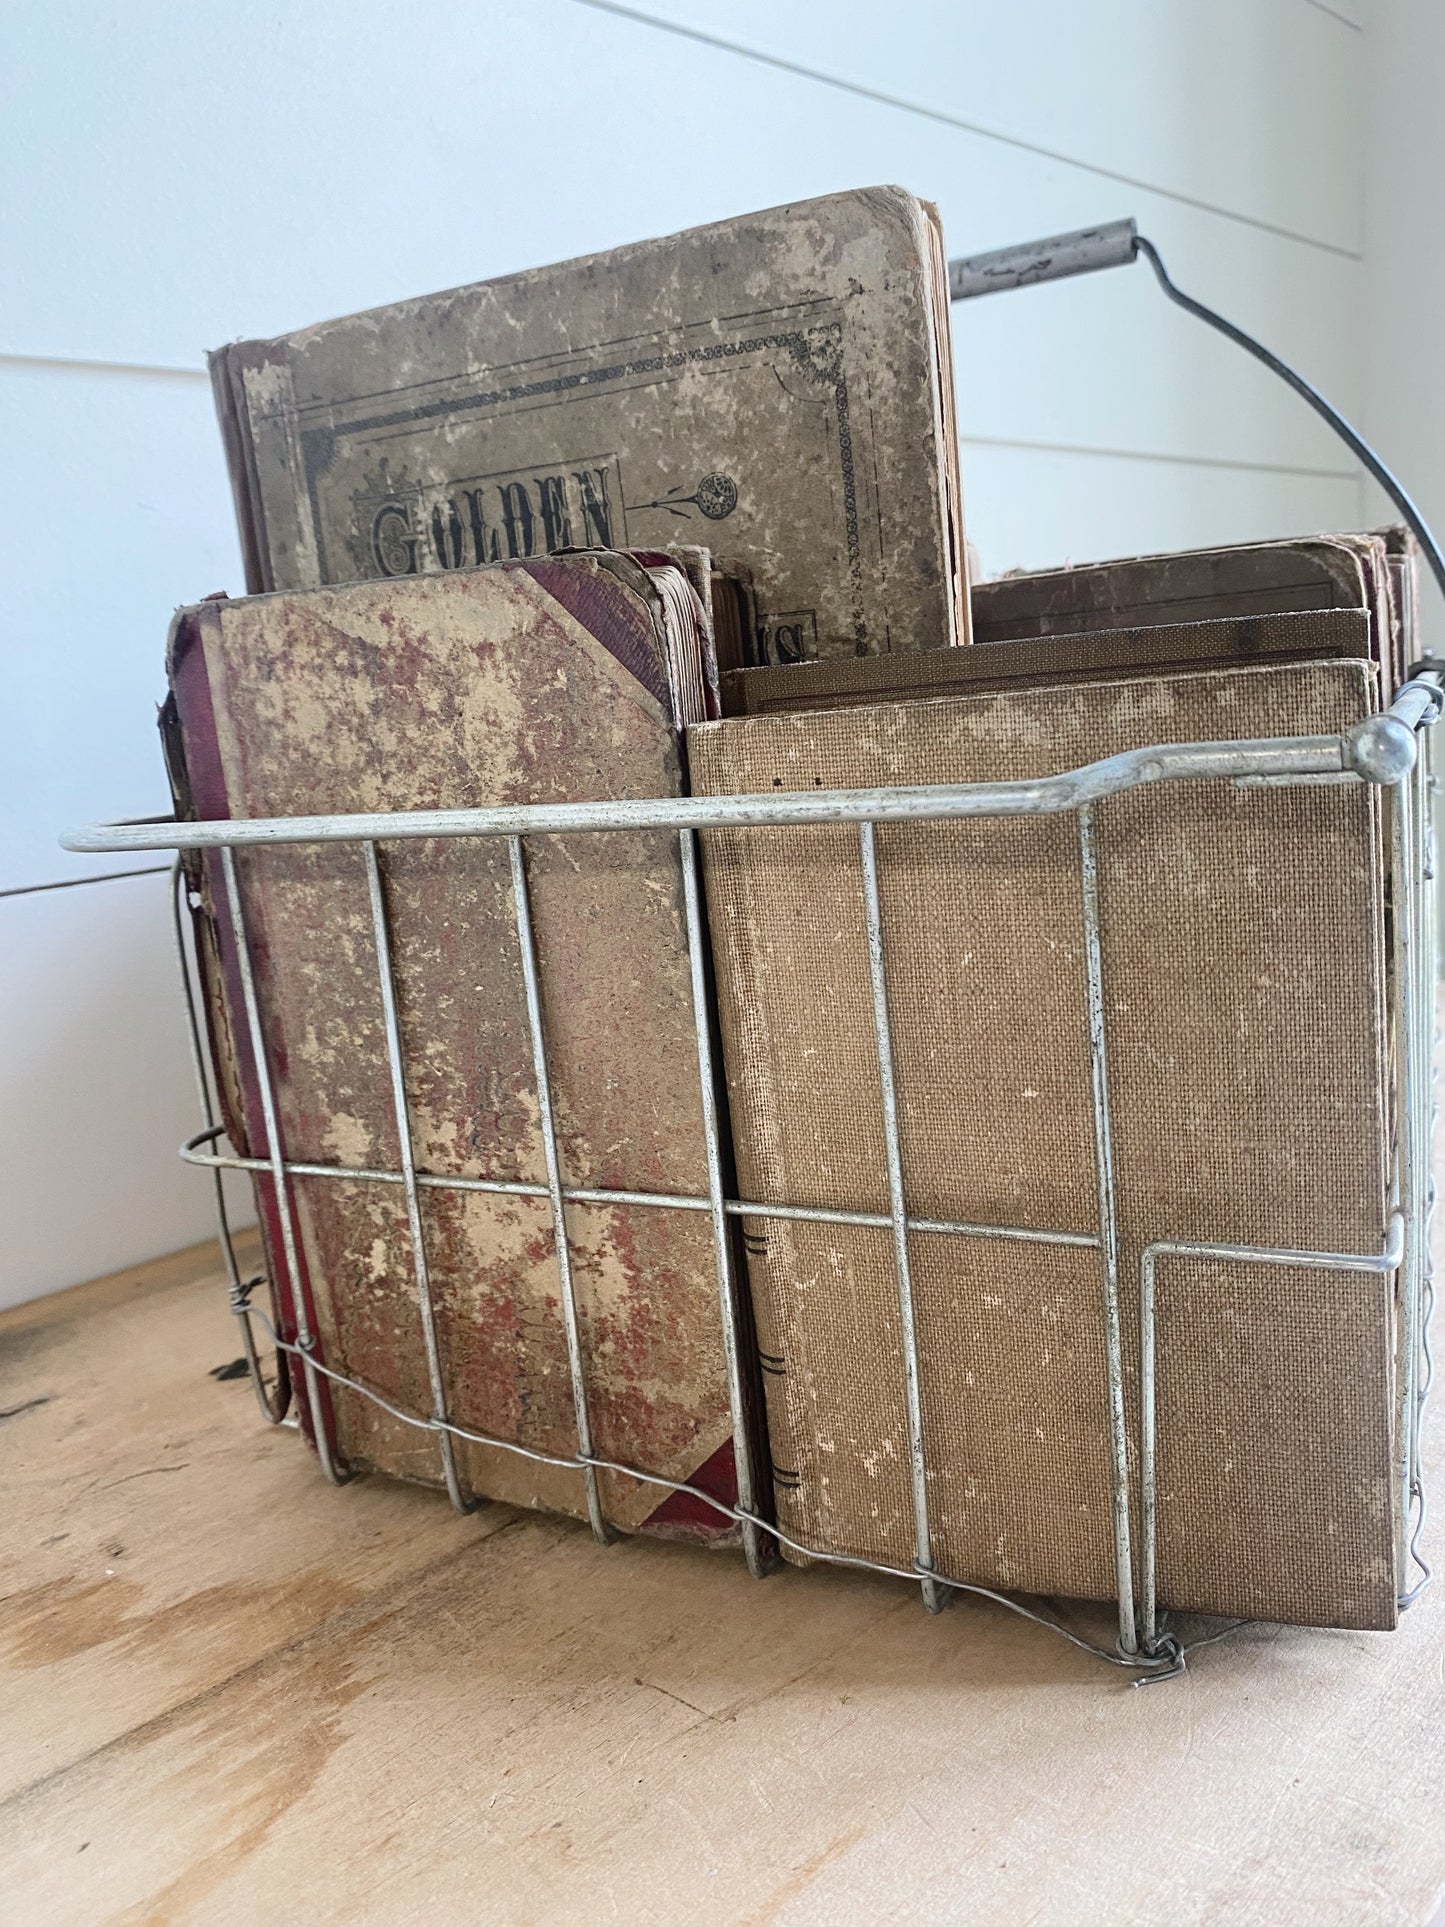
(98, 1087)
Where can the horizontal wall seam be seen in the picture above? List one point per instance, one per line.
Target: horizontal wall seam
(67, 364)
(937, 114)
(1160, 455)
(74, 883)
(1343, 18)
(81, 365)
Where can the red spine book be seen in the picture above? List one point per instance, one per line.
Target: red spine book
(560, 679)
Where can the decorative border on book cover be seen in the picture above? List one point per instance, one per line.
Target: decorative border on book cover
(581, 502)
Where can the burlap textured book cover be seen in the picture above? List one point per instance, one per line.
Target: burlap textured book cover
(541, 682)
(1242, 937)
(777, 386)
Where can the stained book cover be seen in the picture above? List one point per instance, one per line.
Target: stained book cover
(1242, 932)
(778, 387)
(1316, 595)
(1373, 571)
(1105, 654)
(557, 680)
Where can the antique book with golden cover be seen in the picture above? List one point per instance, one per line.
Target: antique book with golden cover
(1243, 938)
(560, 679)
(777, 387)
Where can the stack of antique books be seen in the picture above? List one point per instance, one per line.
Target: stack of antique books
(684, 519)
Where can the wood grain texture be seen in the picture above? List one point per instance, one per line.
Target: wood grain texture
(232, 1694)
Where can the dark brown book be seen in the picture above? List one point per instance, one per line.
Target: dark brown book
(1293, 577)
(1090, 656)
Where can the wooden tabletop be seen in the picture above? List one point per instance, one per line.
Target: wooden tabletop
(232, 1694)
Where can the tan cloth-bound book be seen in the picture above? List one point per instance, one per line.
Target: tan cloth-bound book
(556, 680)
(778, 386)
(1244, 1000)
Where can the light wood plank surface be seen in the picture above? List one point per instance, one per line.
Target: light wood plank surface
(229, 1693)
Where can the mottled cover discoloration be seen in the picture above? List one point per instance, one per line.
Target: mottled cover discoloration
(453, 692)
(777, 386)
(1242, 933)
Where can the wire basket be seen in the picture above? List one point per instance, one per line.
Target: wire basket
(1383, 750)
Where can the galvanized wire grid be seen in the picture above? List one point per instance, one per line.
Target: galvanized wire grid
(1382, 750)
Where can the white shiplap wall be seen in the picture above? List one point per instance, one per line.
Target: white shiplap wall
(181, 175)
(1403, 308)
